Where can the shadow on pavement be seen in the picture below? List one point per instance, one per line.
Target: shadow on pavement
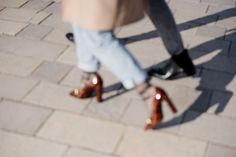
(206, 86)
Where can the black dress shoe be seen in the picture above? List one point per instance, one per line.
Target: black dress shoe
(177, 67)
(70, 36)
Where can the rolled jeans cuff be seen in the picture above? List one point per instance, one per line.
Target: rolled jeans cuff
(133, 82)
(90, 68)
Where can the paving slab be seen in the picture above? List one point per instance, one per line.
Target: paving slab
(53, 96)
(51, 71)
(188, 5)
(73, 78)
(22, 118)
(75, 152)
(58, 36)
(55, 20)
(230, 36)
(223, 11)
(226, 64)
(39, 17)
(11, 28)
(197, 99)
(31, 48)
(216, 129)
(223, 104)
(211, 31)
(36, 32)
(219, 2)
(54, 8)
(138, 112)
(152, 144)
(187, 16)
(215, 150)
(201, 57)
(19, 15)
(13, 3)
(228, 23)
(232, 85)
(86, 132)
(10, 83)
(223, 79)
(142, 50)
(24, 146)
(18, 65)
(1, 8)
(132, 29)
(36, 5)
(110, 109)
(208, 44)
(68, 56)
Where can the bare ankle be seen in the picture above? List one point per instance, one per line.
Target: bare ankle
(141, 88)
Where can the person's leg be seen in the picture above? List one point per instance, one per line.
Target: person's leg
(163, 20)
(105, 48)
(180, 63)
(87, 62)
(89, 65)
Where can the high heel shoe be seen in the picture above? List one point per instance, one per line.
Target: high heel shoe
(95, 83)
(157, 115)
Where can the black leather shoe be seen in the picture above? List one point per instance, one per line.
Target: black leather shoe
(70, 36)
(177, 67)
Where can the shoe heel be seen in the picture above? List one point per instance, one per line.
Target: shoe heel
(169, 103)
(157, 114)
(99, 92)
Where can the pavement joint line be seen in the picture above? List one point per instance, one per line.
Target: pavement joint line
(206, 149)
(32, 88)
(125, 110)
(28, 104)
(126, 126)
(23, 4)
(119, 141)
(66, 151)
(51, 29)
(51, 108)
(33, 137)
(43, 123)
(21, 29)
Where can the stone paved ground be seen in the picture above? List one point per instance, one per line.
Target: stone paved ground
(37, 71)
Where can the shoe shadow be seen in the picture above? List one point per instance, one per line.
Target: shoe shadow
(215, 91)
(213, 81)
(183, 26)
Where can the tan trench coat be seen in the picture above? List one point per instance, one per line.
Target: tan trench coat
(103, 14)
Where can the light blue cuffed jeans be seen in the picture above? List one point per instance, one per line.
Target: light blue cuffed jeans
(102, 47)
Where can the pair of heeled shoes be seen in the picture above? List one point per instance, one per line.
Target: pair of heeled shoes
(96, 84)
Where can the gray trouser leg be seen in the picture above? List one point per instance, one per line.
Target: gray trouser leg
(163, 20)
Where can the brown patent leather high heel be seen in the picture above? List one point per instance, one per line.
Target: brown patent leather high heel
(94, 84)
(157, 115)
